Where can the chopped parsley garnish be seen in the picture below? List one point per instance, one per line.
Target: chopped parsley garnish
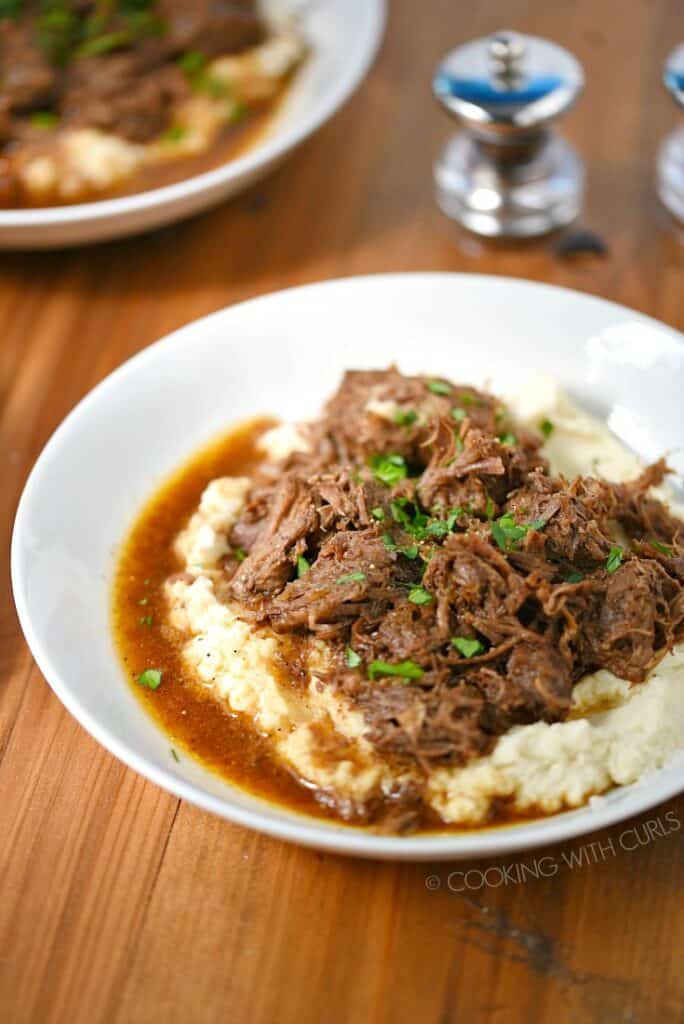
(439, 387)
(146, 620)
(302, 566)
(409, 517)
(467, 647)
(174, 755)
(404, 669)
(459, 444)
(378, 513)
(352, 658)
(419, 595)
(508, 534)
(238, 111)
(489, 509)
(10, 8)
(352, 577)
(507, 438)
(44, 119)
(405, 417)
(458, 414)
(664, 549)
(389, 469)
(214, 87)
(409, 552)
(175, 133)
(615, 557)
(574, 577)
(546, 427)
(240, 554)
(151, 678)
(454, 514)
(193, 62)
(440, 527)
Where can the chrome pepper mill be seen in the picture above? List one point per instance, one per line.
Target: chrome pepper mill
(507, 173)
(671, 155)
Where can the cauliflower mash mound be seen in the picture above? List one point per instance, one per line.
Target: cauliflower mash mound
(616, 732)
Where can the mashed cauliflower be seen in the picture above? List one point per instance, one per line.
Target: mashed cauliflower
(615, 734)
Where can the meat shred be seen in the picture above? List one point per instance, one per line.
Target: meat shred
(461, 586)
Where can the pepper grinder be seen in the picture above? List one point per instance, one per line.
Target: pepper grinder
(507, 172)
(671, 155)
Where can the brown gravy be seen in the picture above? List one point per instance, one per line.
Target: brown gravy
(236, 140)
(224, 742)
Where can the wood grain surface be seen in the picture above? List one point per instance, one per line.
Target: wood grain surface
(120, 904)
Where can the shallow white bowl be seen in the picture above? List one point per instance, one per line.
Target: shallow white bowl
(283, 354)
(344, 36)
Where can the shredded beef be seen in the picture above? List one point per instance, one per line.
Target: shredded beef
(461, 587)
(114, 67)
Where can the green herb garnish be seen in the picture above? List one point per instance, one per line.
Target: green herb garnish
(238, 112)
(193, 62)
(467, 647)
(352, 577)
(458, 414)
(664, 549)
(146, 620)
(388, 469)
(615, 557)
(302, 566)
(439, 387)
(10, 8)
(404, 418)
(574, 577)
(546, 427)
(409, 552)
(490, 509)
(507, 533)
(352, 658)
(378, 513)
(44, 119)
(419, 595)
(175, 133)
(409, 517)
(240, 554)
(174, 755)
(404, 669)
(151, 678)
(507, 438)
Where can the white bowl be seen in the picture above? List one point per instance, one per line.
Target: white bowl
(283, 354)
(344, 36)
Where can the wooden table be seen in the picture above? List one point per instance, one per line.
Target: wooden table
(120, 904)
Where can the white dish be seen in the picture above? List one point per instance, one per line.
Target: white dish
(281, 355)
(344, 36)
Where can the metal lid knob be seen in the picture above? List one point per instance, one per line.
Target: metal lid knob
(506, 173)
(508, 80)
(673, 75)
(670, 166)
